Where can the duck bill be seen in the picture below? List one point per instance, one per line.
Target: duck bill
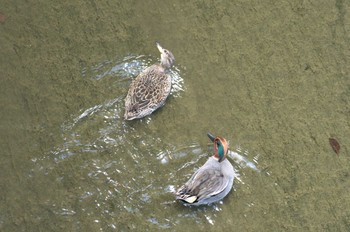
(211, 136)
(160, 48)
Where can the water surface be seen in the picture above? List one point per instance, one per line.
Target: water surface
(271, 77)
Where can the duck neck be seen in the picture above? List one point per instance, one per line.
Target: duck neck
(216, 158)
(165, 65)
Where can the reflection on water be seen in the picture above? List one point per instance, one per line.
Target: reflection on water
(275, 73)
(121, 175)
(118, 162)
(243, 161)
(131, 66)
(118, 167)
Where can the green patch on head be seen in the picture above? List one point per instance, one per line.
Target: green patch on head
(221, 151)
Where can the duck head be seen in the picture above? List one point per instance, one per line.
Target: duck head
(167, 58)
(220, 146)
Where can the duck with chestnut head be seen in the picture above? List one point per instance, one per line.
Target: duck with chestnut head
(211, 182)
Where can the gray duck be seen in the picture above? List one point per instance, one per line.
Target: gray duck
(149, 90)
(211, 182)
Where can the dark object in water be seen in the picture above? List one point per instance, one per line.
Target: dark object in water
(3, 17)
(335, 145)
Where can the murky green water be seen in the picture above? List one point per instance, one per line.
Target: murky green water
(270, 76)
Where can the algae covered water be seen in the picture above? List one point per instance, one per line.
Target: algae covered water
(270, 77)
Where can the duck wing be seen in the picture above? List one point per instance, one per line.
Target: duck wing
(204, 183)
(147, 92)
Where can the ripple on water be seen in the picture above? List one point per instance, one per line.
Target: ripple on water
(103, 160)
(130, 67)
(110, 167)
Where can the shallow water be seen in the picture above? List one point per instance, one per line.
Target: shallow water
(271, 77)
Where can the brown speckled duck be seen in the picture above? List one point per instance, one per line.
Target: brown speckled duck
(149, 90)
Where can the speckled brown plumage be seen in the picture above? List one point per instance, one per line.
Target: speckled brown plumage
(149, 90)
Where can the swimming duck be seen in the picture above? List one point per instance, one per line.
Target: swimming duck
(149, 90)
(211, 182)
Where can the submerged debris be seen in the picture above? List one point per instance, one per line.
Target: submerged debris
(335, 145)
(3, 17)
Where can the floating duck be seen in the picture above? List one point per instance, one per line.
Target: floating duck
(149, 90)
(211, 182)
